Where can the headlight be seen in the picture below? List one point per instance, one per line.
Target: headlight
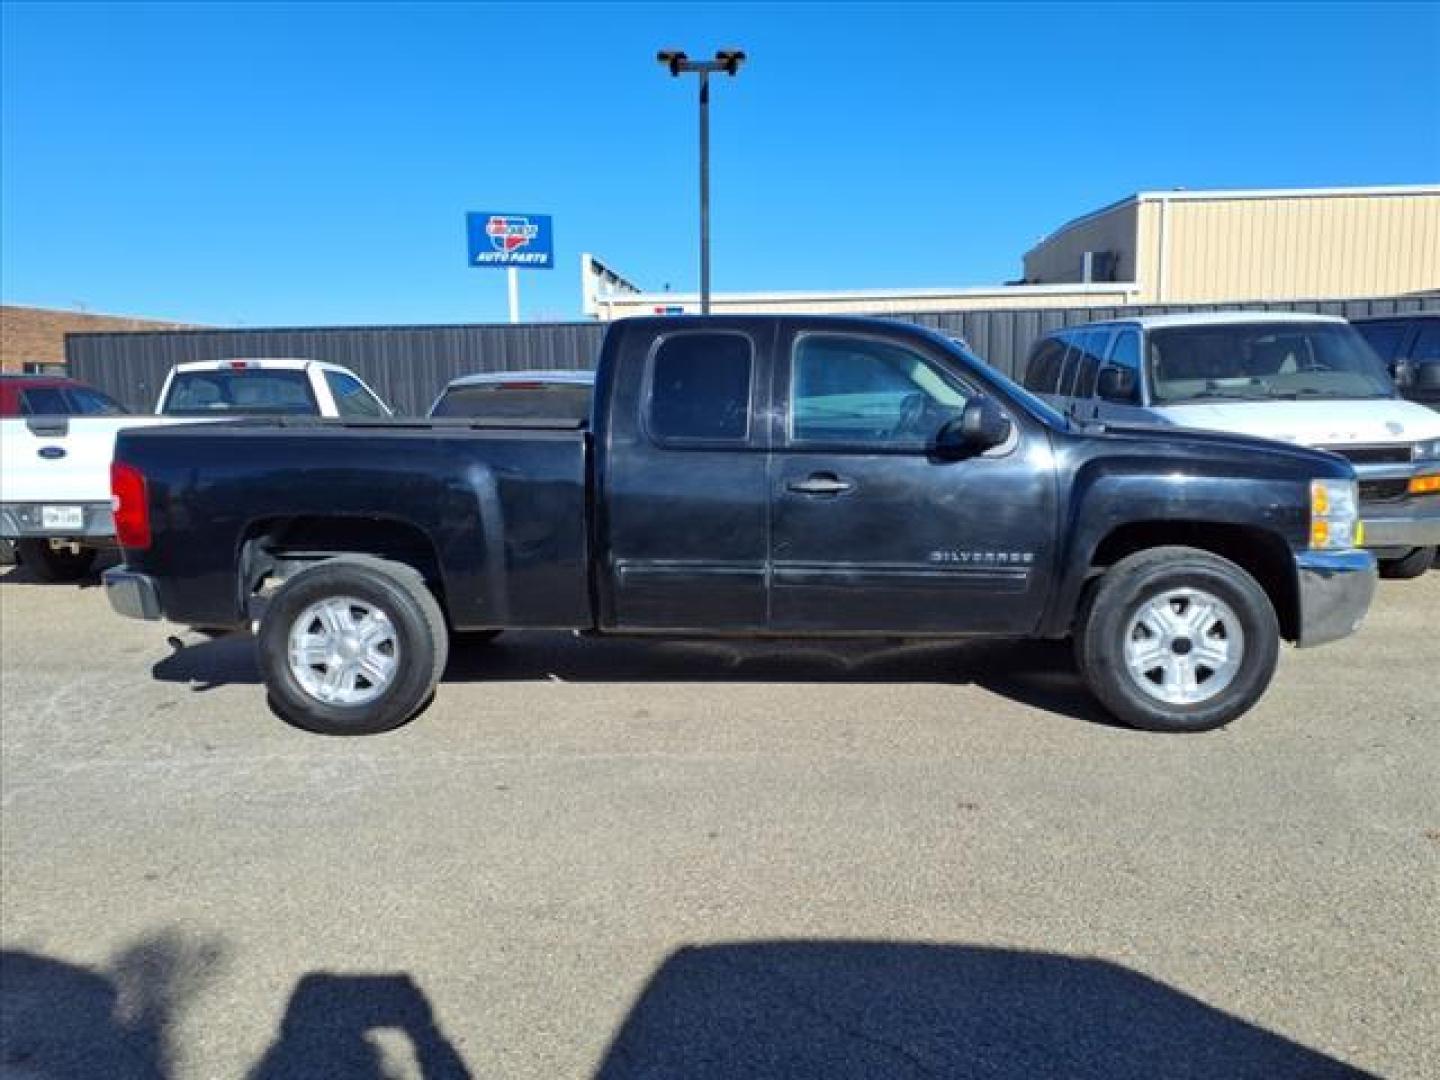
(1429, 450)
(1335, 515)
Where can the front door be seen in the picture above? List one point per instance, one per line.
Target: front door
(870, 533)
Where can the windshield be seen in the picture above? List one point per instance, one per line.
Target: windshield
(521, 400)
(1263, 362)
(252, 391)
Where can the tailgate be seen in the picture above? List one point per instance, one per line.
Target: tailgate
(61, 459)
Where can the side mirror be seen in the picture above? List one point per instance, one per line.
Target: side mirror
(1403, 373)
(1116, 384)
(980, 426)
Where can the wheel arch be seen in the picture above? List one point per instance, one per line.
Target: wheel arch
(274, 549)
(1263, 554)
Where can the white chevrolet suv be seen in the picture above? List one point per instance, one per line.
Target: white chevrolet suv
(1295, 377)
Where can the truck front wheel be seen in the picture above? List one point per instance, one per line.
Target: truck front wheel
(1177, 639)
(352, 646)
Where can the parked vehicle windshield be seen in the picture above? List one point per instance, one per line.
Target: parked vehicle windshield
(258, 392)
(520, 400)
(1263, 362)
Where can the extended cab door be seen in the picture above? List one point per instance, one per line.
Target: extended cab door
(683, 484)
(873, 533)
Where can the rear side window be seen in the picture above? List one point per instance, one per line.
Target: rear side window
(700, 388)
(351, 397)
(253, 391)
(1043, 371)
(520, 400)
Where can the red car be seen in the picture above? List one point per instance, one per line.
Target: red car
(53, 395)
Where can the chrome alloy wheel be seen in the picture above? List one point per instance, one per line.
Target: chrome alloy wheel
(1184, 646)
(344, 651)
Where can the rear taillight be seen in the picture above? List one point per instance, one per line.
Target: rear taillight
(132, 508)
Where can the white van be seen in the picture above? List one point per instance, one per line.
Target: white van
(1295, 377)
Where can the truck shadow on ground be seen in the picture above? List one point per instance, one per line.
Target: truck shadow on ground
(807, 1010)
(1040, 674)
(798, 1010)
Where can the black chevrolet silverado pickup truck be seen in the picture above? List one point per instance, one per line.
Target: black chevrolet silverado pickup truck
(746, 476)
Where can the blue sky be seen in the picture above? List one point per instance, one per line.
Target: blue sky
(282, 165)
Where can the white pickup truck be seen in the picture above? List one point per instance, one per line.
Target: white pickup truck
(55, 468)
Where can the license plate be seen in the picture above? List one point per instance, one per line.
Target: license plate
(62, 517)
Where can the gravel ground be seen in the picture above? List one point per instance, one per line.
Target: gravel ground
(702, 860)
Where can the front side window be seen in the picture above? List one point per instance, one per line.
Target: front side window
(1426, 349)
(857, 391)
(43, 401)
(1263, 362)
(351, 397)
(251, 391)
(700, 388)
(1384, 337)
(1043, 370)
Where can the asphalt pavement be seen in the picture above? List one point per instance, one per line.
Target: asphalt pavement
(692, 860)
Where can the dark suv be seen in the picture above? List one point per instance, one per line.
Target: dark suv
(1410, 345)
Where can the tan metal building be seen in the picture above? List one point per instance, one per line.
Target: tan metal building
(1180, 247)
(1155, 247)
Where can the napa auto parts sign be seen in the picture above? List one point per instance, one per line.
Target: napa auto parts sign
(497, 239)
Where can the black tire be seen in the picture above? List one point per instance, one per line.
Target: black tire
(1413, 565)
(55, 563)
(1101, 634)
(394, 588)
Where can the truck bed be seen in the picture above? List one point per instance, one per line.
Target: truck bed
(497, 510)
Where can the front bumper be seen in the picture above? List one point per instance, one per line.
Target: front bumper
(1336, 588)
(25, 521)
(1400, 526)
(130, 594)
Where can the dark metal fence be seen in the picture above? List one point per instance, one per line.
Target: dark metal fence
(408, 365)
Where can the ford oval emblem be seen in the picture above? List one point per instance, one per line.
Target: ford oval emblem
(51, 453)
(1394, 428)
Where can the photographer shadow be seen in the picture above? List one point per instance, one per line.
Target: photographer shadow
(337, 1025)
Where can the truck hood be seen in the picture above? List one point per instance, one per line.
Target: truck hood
(1311, 423)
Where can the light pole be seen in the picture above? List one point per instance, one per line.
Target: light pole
(728, 61)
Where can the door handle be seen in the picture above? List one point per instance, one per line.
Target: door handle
(821, 484)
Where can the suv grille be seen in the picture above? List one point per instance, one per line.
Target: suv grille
(1382, 454)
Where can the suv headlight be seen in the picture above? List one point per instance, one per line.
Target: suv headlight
(1335, 515)
(1428, 450)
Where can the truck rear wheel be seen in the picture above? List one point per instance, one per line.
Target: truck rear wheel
(1177, 639)
(352, 646)
(56, 562)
